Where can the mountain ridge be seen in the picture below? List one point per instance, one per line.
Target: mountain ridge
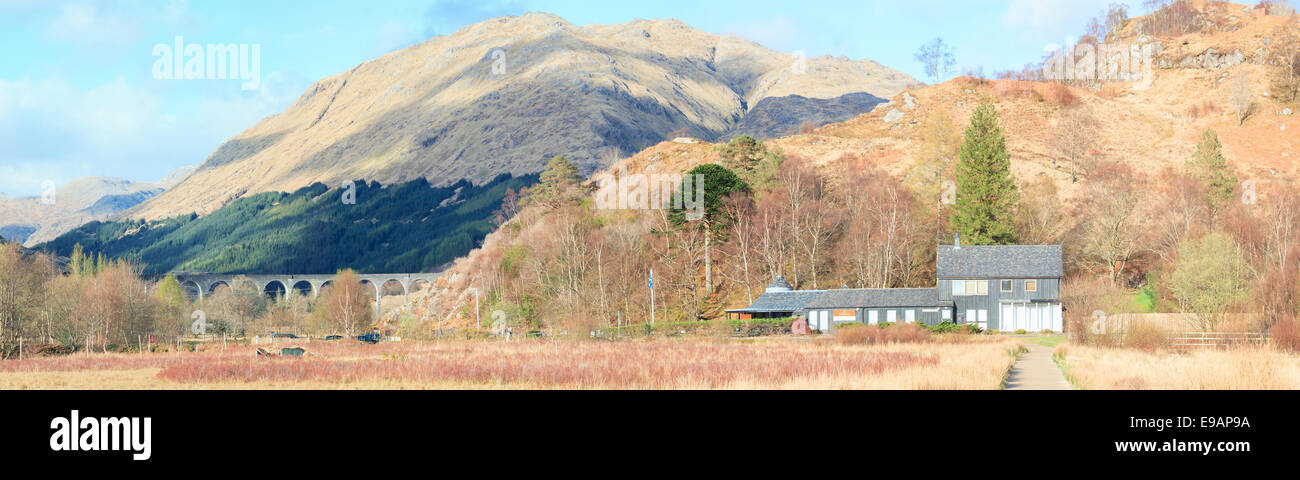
(504, 95)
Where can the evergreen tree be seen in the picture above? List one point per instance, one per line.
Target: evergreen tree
(756, 164)
(984, 213)
(718, 184)
(557, 181)
(1210, 167)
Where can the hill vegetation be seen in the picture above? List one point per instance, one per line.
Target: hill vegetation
(410, 227)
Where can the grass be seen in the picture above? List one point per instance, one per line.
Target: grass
(1045, 340)
(1247, 368)
(957, 363)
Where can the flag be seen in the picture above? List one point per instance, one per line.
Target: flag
(651, 283)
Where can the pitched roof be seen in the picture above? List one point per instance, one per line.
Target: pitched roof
(779, 284)
(1000, 261)
(878, 298)
(792, 301)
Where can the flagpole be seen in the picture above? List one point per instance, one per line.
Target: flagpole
(652, 297)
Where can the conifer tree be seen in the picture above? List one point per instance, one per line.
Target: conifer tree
(1210, 167)
(984, 213)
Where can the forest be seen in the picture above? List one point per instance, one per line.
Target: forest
(404, 228)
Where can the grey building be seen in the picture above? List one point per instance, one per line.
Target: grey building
(875, 306)
(997, 287)
(779, 300)
(1003, 287)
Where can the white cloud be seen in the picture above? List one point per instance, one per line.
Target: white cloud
(86, 23)
(51, 130)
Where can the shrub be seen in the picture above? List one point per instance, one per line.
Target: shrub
(1147, 336)
(1059, 94)
(1021, 332)
(1285, 335)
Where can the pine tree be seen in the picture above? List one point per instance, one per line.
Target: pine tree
(559, 177)
(718, 185)
(1210, 167)
(984, 213)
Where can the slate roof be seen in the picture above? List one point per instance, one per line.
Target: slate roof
(793, 301)
(779, 284)
(878, 298)
(1000, 261)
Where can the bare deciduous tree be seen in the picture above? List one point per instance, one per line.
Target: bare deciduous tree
(937, 58)
(1075, 136)
(1242, 99)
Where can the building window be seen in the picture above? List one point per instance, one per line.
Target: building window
(970, 287)
(1031, 285)
(1006, 286)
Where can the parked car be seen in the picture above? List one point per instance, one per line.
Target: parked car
(370, 337)
(283, 335)
(334, 337)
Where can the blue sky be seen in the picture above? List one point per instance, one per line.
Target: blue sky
(78, 96)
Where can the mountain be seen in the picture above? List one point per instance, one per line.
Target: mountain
(30, 220)
(1149, 132)
(506, 94)
(784, 116)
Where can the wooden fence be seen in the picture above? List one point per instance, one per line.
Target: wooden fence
(1215, 339)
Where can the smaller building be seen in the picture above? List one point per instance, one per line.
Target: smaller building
(779, 300)
(876, 306)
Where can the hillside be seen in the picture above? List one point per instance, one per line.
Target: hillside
(1144, 137)
(309, 231)
(504, 95)
(30, 221)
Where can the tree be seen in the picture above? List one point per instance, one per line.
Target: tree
(1242, 99)
(558, 181)
(172, 305)
(719, 185)
(1110, 235)
(345, 306)
(937, 58)
(984, 213)
(1075, 135)
(1212, 275)
(1210, 167)
(1041, 220)
(1286, 83)
(755, 164)
(21, 285)
(238, 307)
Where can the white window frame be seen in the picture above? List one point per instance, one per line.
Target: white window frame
(970, 288)
(909, 315)
(1008, 286)
(891, 316)
(1031, 282)
(873, 317)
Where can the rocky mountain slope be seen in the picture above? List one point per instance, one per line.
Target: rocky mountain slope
(1148, 128)
(30, 220)
(503, 95)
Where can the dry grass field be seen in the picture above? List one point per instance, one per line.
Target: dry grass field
(956, 363)
(1254, 368)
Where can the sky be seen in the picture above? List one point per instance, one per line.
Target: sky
(81, 93)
